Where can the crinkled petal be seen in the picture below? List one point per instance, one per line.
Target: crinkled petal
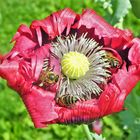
(23, 45)
(38, 58)
(39, 35)
(40, 105)
(112, 37)
(9, 70)
(114, 95)
(126, 80)
(39, 102)
(80, 113)
(134, 52)
(22, 30)
(56, 23)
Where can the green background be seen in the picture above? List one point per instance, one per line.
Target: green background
(15, 123)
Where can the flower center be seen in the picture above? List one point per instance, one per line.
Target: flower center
(74, 65)
(86, 68)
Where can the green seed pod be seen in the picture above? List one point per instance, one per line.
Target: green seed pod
(74, 65)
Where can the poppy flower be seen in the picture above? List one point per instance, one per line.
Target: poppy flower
(97, 126)
(72, 68)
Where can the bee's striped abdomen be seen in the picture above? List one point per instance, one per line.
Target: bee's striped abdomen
(67, 100)
(45, 65)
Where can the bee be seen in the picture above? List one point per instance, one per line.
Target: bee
(67, 100)
(63, 97)
(113, 61)
(45, 64)
(47, 78)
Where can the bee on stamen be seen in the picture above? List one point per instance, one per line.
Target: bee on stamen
(113, 61)
(48, 77)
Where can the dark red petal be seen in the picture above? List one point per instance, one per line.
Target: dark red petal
(109, 101)
(25, 70)
(134, 52)
(112, 36)
(23, 45)
(9, 70)
(22, 30)
(39, 35)
(56, 23)
(123, 82)
(126, 80)
(81, 112)
(37, 59)
(40, 104)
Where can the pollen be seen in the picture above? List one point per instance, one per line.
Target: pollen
(74, 65)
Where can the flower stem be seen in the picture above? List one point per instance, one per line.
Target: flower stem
(87, 132)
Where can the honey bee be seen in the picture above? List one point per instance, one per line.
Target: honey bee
(113, 61)
(67, 100)
(63, 97)
(47, 78)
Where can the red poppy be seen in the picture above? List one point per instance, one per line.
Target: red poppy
(44, 67)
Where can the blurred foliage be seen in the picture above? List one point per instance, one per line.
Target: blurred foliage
(15, 123)
(135, 7)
